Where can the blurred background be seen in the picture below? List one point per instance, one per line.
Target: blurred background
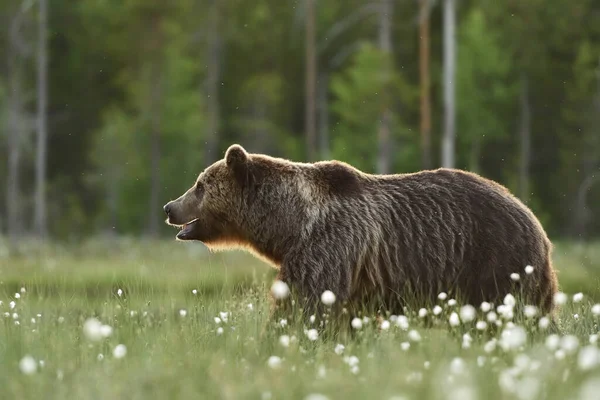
(110, 108)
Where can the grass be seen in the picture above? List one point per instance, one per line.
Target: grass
(175, 354)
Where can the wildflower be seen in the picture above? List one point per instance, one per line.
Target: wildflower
(529, 270)
(515, 277)
(283, 322)
(92, 328)
(385, 325)
(426, 364)
(120, 292)
(120, 351)
(596, 309)
(280, 289)
(490, 346)
(405, 346)
(481, 361)
(194, 292)
(339, 349)
(509, 300)
(316, 396)
(328, 298)
(451, 302)
(481, 325)
(17, 296)
(467, 339)
(422, 313)
(552, 342)
(217, 320)
(588, 358)
(402, 322)
(467, 313)
(485, 306)
(351, 361)
(437, 310)
(312, 319)
(454, 320)
(457, 366)
(442, 296)
(312, 334)
(356, 323)
(559, 354)
(560, 298)
(593, 338)
(544, 323)
(284, 340)
(12, 305)
(182, 312)
(224, 316)
(414, 336)
(274, 362)
(219, 330)
(27, 365)
(250, 306)
(512, 338)
(577, 297)
(100, 357)
(530, 311)
(569, 343)
(106, 330)
(23, 290)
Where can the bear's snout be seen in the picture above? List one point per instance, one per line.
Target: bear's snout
(167, 208)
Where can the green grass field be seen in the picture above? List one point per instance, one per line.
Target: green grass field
(176, 349)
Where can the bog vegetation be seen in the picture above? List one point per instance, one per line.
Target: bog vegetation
(155, 320)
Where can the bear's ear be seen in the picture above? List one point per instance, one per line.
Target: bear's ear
(236, 159)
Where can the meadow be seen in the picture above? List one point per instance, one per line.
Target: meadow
(129, 319)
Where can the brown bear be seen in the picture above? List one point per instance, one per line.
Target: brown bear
(388, 238)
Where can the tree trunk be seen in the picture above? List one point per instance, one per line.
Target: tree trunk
(448, 151)
(212, 86)
(384, 134)
(155, 155)
(311, 76)
(425, 84)
(525, 136)
(323, 116)
(42, 127)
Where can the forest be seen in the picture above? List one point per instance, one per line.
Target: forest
(110, 108)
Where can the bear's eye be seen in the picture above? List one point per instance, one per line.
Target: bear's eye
(199, 186)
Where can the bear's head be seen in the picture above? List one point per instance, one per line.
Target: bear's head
(212, 210)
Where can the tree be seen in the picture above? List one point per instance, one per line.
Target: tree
(448, 152)
(311, 77)
(424, 12)
(213, 71)
(42, 124)
(385, 45)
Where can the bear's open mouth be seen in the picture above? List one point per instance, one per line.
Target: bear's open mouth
(186, 229)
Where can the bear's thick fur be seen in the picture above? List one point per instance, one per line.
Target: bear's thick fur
(329, 226)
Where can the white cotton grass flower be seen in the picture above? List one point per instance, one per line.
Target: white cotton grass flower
(385, 325)
(588, 358)
(17, 295)
(284, 340)
(402, 322)
(92, 329)
(220, 331)
(224, 316)
(466, 341)
(596, 309)
(12, 305)
(194, 292)
(569, 344)
(422, 313)
(490, 346)
(560, 298)
(339, 349)
(442, 296)
(512, 338)
(250, 306)
(552, 342)
(437, 310)
(120, 292)
(283, 322)
(454, 320)
(589, 389)
(217, 320)
(405, 346)
(274, 362)
(106, 330)
(577, 297)
(182, 312)
(529, 269)
(328, 298)
(515, 277)
(530, 311)
(451, 302)
(280, 290)
(509, 300)
(312, 334)
(467, 313)
(100, 357)
(481, 325)
(414, 336)
(356, 323)
(544, 323)
(316, 396)
(27, 365)
(120, 351)
(485, 306)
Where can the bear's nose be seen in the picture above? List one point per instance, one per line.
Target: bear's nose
(167, 208)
